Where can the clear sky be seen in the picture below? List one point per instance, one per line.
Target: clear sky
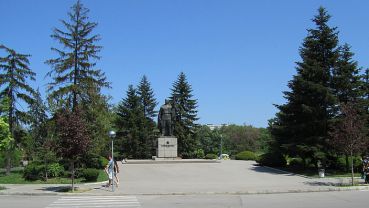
(238, 55)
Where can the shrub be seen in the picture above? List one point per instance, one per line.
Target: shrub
(272, 159)
(33, 171)
(210, 156)
(16, 157)
(103, 162)
(200, 153)
(90, 174)
(341, 163)
(246, 155)
(55, 170)
(296, 163)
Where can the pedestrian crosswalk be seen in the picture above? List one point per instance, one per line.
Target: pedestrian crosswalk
(95, 201)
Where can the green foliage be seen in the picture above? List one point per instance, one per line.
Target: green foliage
(208, 140)
(296, 163)
(94, 161)
(90, 174)
(5, 136)
(301, 126)
(99, 119)
(186, 116)
(272, 159)
(73, 71)
(246, 155)
(211, 156)
(33, 171)
(15, 71)
(200, 153)
(15, 155)
(37, 171)
(55, 170)
(133, 134)
(240, 138)
(147, 98)
(340, 164)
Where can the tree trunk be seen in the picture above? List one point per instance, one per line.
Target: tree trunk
(8, 163)
(46, 177)
(72, 176)
(347, 167)
(352, 169)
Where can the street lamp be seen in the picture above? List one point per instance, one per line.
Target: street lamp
(112, 135)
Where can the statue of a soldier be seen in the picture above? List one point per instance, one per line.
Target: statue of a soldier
(166, 119)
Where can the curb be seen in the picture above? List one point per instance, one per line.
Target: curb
(329, 189)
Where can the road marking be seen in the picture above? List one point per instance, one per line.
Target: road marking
(95, 201)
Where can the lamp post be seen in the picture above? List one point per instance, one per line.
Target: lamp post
(112, 135)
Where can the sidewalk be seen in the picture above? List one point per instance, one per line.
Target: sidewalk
(227, 177)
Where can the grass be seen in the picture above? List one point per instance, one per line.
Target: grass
(16, 177)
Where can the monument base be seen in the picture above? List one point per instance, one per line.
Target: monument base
(167, 147)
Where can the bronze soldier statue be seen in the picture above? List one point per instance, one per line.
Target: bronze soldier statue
(166, 119)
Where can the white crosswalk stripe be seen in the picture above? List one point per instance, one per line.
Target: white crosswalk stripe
(95, 201)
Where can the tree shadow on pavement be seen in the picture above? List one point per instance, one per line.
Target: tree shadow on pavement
(54, 188)
(264, 169)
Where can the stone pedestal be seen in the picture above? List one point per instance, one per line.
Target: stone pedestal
(167, 147)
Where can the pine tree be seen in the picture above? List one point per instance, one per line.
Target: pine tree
(346, 83)
(186, 116)
(39, 118)
(147, 98)
(99, 119)
(148, 103)
(130, 125)
(301, 127)
(73, 72)
(15, 72)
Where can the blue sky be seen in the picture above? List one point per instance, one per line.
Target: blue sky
(238, 55)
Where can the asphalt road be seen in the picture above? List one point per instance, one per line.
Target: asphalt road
(344, 199)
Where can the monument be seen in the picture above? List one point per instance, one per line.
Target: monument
(167, 142)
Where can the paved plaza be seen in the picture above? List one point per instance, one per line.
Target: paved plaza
(188, 177)
(230, 176)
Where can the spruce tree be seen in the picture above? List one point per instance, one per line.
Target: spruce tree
(301, 127)
(73, 71)
(346, 83)
(148, 103)
(15, 89)
(130, 125)
(39, 118)
(147, 98)
(186, 116)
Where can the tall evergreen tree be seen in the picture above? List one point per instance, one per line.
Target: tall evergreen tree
(186, 116)
(147, 98)
(130, 125)
(346, 83)
(99, 118)
(148, 103)
(301, 126)
(73, 72)
(39, 118)
(15, 73)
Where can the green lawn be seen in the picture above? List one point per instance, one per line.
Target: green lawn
(16, 178)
